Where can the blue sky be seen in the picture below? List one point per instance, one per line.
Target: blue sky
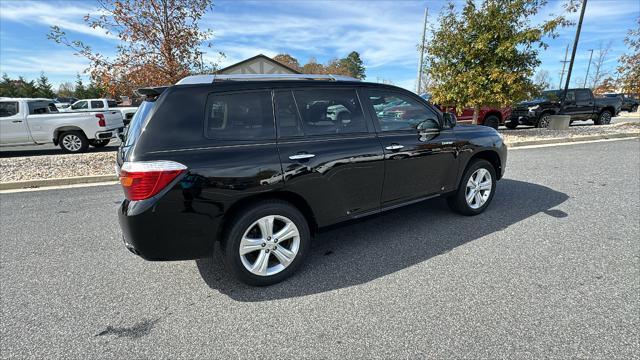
(385, 33)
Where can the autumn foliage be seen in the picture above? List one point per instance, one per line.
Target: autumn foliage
(160, 42)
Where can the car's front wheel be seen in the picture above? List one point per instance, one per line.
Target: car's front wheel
(492, 121)
(544, 121)
(604, 118)
(266, 243)
(476, 189)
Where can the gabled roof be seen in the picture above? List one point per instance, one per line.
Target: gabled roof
(265, 57)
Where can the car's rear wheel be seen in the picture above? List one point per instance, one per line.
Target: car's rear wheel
(476, 189)
(492, 121)
(604, 118)
(511, 124)
(634, 108)
(73, 142)
(99, 143)
(266, 243)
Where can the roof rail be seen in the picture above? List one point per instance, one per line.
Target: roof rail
(208, 79)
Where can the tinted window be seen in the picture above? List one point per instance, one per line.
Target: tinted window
(137, 122)
(112, 104)
(400, 112)
(571, 96)
(289, 123)
(325, 112)
(41, 107)
(79, 105)
(8, 108)
(583, 95)
(97, 104)
(240, 116)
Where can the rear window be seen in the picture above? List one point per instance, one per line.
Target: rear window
(112, 104)
(240, 116)
(97, 104)
(137, 122)
(8, 108)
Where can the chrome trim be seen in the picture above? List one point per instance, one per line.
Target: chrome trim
(301, 156)
(394, 147)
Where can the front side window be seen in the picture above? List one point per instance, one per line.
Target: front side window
(8, 108)
(329, 111)
(582, 95)
(398, 112)
(80, 105)
(240, 116)
(97, 104)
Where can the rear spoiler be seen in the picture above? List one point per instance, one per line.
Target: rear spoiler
(151, 93)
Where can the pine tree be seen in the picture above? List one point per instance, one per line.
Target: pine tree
(81, 91)
(44, 88)
(8, 87)
(354, 66)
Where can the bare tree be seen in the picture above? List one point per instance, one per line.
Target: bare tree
(542, 79)
(599, 70)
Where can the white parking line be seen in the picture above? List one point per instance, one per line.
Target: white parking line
(58, 187)
(569, 143)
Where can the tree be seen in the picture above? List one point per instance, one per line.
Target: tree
(599, 72)
(312, 67)
(44, 88)
(288, 60)
(26, 89)
(542, 80)
(159, 42)
(629, 69)
(66, 89)
(8, 87)
(607, 85)
(80, 91)
(336, 67)
(354, 65)
(487, 53)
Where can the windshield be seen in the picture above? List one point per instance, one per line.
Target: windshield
(138, 122)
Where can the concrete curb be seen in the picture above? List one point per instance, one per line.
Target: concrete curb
(109, 178)
(573, 139)
(57, 182)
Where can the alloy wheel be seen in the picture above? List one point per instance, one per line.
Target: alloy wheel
(544, 122)
(605, 118)
(479, 188)
(270, 235)
(72, 142)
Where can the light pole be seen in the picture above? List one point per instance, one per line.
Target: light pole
(573, 56)
(424, 33)
(588, 67)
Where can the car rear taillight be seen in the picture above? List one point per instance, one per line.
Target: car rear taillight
(144, 179)
(101, 121)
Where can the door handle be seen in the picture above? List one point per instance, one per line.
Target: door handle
(394, 147)
(16, 121)
(301, 156)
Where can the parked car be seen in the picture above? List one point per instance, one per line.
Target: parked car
(629, 101)
(261, 166)
(579, 103)
(64, 102)
(37, 121)
(103, 104)
(488, 116)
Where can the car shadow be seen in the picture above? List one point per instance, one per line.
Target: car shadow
(42, 150)
(367, 249)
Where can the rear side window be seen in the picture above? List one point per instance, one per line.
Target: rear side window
(8, 108)
(97, 104)
(112, 104)
(41, 107)
(329, 111)
(245, 116)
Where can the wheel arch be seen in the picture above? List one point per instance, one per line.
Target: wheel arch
(58, 131)
(294, 199)
(491, 156)
(495, 113)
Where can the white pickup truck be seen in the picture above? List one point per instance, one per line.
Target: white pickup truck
(100, 105)
(37, 121)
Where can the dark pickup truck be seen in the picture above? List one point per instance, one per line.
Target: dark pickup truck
(629, 101)
(580, 104)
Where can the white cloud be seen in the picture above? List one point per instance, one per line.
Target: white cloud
(68, 16)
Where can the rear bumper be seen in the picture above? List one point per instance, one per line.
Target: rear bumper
(108, 134)
(170, 228)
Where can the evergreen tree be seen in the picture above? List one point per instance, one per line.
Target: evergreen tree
(81, 91)
(353, 65)
(26, 89)
(44, 88)
(8, 87)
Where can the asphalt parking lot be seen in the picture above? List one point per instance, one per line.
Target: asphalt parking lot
(552, 269)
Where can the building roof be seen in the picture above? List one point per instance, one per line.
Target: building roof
(259, 56)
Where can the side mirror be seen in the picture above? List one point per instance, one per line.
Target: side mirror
(450, 119)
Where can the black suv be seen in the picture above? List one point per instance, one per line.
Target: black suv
(261, 163)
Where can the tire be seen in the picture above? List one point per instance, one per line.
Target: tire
(260, 243)
(73, 142)
(492, 121)
(99, 143)
(604, 118)
(458, 201)
(634, 108)
(545, 118)
(511, 124)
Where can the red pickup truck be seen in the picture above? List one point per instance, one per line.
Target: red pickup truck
(489, 116)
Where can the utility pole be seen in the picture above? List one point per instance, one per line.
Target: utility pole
(564, 62)
(424, 34)
(588, 67)
(573, 56)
